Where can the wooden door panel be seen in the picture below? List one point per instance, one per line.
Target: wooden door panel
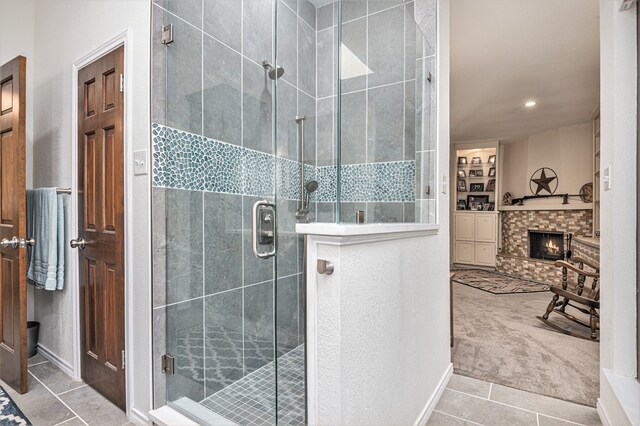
(7, 160)
(90, 178)
(110, 190)
(101, 217)
(6, 96)
(13, 271)
(9, 302)
(109, 92)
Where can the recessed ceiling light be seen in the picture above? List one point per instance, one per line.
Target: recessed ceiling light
(530, 104)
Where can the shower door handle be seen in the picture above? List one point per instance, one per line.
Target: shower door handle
(264, 229)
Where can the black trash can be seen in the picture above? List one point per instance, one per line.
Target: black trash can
(33, 327)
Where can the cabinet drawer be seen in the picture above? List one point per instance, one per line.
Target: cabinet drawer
(485, 229)
(485, 254)
(464, 227)
(464, 252)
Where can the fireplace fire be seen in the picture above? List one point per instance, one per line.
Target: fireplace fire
(546, 245)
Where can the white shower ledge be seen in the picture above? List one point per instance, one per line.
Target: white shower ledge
(347, 230)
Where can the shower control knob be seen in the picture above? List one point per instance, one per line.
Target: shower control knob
(78, 243)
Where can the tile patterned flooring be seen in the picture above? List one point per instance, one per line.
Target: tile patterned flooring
(54, 398)
(250, 401)
(468, 401)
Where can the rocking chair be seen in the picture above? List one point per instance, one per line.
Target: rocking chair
(585, 299)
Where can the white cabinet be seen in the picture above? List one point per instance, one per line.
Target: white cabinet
(464, 227)
(475, 238)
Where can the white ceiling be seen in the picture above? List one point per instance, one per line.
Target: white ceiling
(505, 52)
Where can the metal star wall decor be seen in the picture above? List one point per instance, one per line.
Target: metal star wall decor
(544, 179)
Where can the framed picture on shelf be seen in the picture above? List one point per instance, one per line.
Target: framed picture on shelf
(477, 199)
(475, 206)
(492, 159)
(491, 185)
(462, 205)
(462, 174)
(462, 160)
(486, 207)
(479, 173)
(472, 173)
(492, 206)
(462, 186)
(492, 172)
(476, 160)
(476, 187)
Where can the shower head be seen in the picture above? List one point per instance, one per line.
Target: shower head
(311, 186)
(273, 72)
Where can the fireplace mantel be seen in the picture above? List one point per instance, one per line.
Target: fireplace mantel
(575, 206)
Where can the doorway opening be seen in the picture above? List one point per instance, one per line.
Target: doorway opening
(525, 131)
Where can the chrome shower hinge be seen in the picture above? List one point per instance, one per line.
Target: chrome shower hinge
(168, 364)
(167, 34)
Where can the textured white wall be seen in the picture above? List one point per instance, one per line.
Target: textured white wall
(67, 30)
(618, 217)
(382, 330)
(567, 150)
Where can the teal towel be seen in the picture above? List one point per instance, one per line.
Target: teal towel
(45, 224)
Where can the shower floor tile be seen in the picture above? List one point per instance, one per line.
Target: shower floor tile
(251, 400)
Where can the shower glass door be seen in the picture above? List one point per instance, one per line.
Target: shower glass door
(229, 95)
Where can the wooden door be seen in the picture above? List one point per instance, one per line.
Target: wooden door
(13, 268)
(100, 242)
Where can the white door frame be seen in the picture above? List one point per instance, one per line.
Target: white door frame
(121, 39)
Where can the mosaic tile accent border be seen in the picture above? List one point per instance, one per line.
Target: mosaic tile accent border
(183, 160)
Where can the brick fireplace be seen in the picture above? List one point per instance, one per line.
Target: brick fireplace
(518, 254)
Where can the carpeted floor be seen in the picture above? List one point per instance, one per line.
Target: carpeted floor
(499, 339)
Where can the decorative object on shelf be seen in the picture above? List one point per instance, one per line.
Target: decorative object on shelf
(476, 187)
(462, 161)
(476, 173)
(544, 179)
(462, 174)
(492, 159)
(462, 205)
(492, 172)
(507, 199)
(477, 199)
(492, 206)
(586, 192)
(486, 207)
(462, 186)
(475, 206)
(491, 185)
(476, 160)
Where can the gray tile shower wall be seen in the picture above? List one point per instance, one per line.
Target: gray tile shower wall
(384, 118)
(214, 155)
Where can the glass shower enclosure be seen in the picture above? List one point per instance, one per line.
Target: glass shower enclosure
(268, 113)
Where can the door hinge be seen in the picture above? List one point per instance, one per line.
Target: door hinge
(121, 83)
(124, 360)
(167, 34)
(168, 364)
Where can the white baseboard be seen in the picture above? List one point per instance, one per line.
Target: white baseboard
(55, 359)
(602, 412)
(423, 418)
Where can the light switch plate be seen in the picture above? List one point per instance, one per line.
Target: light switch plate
(140, 166)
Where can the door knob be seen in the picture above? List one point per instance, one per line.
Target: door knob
(78, 243)
(27, 242)
(13, 242)
(325, 267)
